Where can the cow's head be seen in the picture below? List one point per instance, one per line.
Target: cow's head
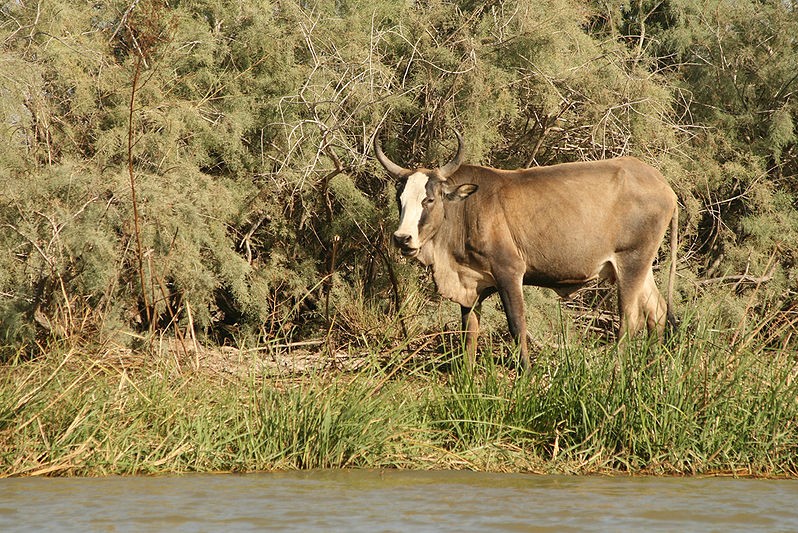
(421, 194)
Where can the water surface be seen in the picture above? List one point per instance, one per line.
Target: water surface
(357, 500)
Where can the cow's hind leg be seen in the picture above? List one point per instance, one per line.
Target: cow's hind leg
(640, 303)
(631, 287)
(655, 308)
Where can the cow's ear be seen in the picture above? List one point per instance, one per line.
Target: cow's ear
(461, 192)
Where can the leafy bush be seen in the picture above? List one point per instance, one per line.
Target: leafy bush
(205, 165)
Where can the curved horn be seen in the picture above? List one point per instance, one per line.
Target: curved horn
(392, 168)
(451, 167)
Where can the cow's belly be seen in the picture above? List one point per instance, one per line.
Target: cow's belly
(566, 280)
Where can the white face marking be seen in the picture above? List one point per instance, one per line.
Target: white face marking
(413, 194)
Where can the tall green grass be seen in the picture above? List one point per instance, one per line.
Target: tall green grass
(82, 417)
(698, 405)
(695, 406)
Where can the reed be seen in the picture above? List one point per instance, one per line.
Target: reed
(77, 416)
(696, 406)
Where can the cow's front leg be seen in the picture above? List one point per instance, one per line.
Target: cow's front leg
(470, 325)
(512, 295)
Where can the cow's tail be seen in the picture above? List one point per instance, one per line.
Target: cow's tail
(673, 324)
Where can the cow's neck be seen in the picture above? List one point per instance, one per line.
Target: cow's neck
(454, 279)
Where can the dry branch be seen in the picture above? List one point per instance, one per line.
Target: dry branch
(737, 279)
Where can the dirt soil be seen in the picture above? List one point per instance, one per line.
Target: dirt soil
(286, 360)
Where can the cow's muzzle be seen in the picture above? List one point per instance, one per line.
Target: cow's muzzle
(402, 241)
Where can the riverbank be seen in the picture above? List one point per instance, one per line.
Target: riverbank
(699, 407)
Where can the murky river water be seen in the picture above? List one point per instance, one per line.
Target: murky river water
(370, 501)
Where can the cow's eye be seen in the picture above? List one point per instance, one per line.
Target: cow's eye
(427, 201)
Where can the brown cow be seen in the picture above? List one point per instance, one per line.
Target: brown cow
(485, 230)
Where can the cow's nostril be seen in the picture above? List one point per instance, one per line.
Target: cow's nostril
(401, 239)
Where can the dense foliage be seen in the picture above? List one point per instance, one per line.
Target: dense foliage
(204, 167)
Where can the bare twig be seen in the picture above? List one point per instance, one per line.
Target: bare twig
(740, 326)
(133, 199)
(737, 279)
